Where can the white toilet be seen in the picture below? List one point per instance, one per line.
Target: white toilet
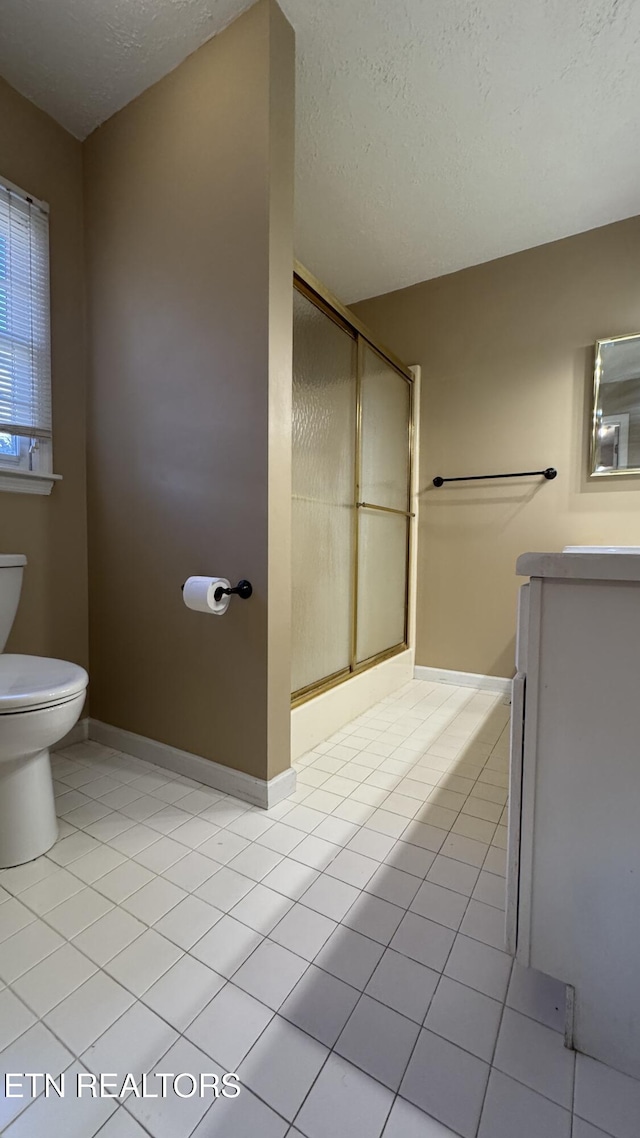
(40, 700)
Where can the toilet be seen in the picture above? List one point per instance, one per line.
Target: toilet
(40, 701)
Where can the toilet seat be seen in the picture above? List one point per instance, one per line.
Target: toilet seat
(28, 683)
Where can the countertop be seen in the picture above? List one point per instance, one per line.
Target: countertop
(580, 566)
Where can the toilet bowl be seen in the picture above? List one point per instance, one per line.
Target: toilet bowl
(40, 701)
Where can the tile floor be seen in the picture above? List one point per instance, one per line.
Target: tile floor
(342, 952)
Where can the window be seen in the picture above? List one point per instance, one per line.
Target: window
(25, 354)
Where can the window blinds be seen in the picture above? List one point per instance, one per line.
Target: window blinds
(25, 352)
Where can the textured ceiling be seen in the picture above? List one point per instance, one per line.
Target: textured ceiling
(431, 134)
(81, 60)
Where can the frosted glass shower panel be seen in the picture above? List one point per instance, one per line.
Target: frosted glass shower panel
(324, 408)
(386, 417)
(382, 581)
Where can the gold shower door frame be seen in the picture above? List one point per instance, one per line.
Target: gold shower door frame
(317, 294)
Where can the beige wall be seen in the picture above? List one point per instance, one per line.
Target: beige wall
(189, 220)
(507, 356)
(40, 157)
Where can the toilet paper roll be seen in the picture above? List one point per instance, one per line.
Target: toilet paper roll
(198, 593)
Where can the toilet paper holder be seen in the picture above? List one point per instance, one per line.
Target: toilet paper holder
(243, 589)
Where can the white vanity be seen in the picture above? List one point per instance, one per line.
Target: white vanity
(573, 880)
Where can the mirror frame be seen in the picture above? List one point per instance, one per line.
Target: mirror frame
(597, 371)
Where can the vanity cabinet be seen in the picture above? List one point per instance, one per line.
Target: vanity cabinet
(573, 872)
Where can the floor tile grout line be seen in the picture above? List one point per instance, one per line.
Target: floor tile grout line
(140, 998)
(421, 1028)
(493, 1053)
(133, 857)
(136, 999)
(528, 1086)
(574, 1074)
(396, 1094)
(254, 1044)
(443, 775)
(69, 940)
(189, 893)
(379, 864)
(102, 968)
(229, 979)
(118, 905)
(172, 776)
(327, 1058)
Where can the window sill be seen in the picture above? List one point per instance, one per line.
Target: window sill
(27, 481)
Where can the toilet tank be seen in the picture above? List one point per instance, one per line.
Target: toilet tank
(11, 570)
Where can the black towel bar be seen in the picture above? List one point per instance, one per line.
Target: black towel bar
(549, 473)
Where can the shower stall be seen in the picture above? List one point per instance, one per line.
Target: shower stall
(352, 495)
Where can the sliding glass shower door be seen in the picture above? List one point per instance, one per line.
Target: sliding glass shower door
(351, 497)
(324, 416)
(383, 505)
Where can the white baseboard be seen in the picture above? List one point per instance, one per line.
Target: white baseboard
(258, 791)
(77, 734)
(314, 721)
(463, 679)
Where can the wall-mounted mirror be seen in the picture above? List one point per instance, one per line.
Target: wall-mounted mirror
(615, 442)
